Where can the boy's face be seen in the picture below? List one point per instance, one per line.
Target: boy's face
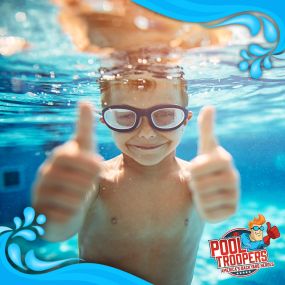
(146, 145)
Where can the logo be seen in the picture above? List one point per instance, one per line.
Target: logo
(243, 251)
(20, 265)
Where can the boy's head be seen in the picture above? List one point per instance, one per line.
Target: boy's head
(256, 228)
(143, 84)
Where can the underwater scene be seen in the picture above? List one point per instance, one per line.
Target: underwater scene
(40, 88)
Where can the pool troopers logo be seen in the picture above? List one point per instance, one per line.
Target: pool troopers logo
(242, 252)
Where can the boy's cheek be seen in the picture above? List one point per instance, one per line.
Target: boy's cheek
(174, 137)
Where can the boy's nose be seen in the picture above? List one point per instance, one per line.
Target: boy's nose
(145, 129)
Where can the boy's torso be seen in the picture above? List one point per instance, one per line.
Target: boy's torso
(144, 226)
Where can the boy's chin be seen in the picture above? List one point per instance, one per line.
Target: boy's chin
(148, 161)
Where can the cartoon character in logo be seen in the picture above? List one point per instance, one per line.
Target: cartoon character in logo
(255, 240)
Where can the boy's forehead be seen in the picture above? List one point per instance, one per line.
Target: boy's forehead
(145, 87)
(143, 79)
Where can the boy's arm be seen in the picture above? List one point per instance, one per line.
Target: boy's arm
(67, 182)
(214, 180)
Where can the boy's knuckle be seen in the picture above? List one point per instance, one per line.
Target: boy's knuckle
(81, 182)
(236, 175)
(228, 157)
(197, 185)
(204, 201)
(90, 162)
(236, 194)
(233, 176)
(63, 156)
(88, 184)
(207, 215)
(225, 156)
(42, 169)
(46, 170)
(52, 172)
(58, 151)
(195, 169)
(231, 210)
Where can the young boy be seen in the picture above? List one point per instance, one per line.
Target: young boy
(144, 210)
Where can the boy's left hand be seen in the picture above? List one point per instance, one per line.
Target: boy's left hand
(214, 180)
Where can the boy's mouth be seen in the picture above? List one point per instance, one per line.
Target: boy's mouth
(146, 147)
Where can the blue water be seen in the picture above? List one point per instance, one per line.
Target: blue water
(39, 90)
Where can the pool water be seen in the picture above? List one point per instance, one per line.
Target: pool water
(39, 91)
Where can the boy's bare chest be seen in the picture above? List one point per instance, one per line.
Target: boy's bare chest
(143, 228)
(141, 209)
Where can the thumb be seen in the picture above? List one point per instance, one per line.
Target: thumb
(207, 140)
(268, 226)
(84, 129)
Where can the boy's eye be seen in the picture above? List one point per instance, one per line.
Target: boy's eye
(164, 116)
(125, 115)
(125, 118)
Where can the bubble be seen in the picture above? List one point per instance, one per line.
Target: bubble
(3, 32)
(64, 247)
(20, 17)
(141, 22)
(280, 162)
(107, 6)
(31, 94)
(91, 61)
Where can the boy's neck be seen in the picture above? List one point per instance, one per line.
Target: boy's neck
(162, 168)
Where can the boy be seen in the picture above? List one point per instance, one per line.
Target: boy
(144, 210)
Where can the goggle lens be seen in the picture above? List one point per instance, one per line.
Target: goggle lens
(256, 228)
(167, 118)
(122, 119)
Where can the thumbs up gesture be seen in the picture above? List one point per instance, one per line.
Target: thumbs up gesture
(273, 232)
(214, 181)
(69, 177)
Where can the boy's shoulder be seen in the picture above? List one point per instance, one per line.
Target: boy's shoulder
(182, 162)
(112, 163)
(111, 168)
(183, 168)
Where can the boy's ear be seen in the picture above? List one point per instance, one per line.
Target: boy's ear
(102, 120)
(190, 114)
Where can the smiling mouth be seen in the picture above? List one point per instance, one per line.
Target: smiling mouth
(146, 147)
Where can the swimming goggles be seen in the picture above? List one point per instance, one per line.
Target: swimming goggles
(125, 118)
(256, 228)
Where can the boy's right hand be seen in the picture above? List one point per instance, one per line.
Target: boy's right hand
(67, 178)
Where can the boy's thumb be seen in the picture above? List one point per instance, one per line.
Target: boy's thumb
(84, 129)
(207, 140)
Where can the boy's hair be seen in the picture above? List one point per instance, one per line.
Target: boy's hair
(158, 62)
(257, 221)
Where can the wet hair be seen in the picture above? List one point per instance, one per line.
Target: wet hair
(159, 62)
(257, 221)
